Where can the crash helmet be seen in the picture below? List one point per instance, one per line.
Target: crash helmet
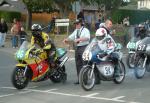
(101, 33)
(36, 30)
(36, 27)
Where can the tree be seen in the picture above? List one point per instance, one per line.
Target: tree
(109, 4)
(37, 6)
(64, 6)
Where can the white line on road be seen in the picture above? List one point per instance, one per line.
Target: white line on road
(117, 98)
(6, 95)
(73, 95)
(65, 94)
(50, 90)
(91, 95)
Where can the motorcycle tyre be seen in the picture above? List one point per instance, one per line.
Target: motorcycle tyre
(14, 82)
(81, 78)
(62, 77)
(137, 68)
(115, 80)
(130, 56)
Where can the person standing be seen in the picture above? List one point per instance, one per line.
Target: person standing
(81, 37)
(14, 33)
(23, 35)
(3, 32)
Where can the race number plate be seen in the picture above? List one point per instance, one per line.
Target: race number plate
(141, 47)
(107, 70)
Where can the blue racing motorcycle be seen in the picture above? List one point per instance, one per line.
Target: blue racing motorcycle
(106, 68)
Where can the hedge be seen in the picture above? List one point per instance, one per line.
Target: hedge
(136, 16)
(9, 15)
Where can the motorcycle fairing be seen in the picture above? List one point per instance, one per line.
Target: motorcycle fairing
(39, 69)
(106, 69)
(20, 65)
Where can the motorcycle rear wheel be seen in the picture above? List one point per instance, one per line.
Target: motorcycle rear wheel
(119, 79)
(87, 82)
(58, 77)
(18, 78)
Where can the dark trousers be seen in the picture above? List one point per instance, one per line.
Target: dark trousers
(78, 58)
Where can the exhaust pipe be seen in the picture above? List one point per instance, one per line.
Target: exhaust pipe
(64, 61)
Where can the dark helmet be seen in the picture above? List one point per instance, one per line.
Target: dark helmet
(36, 30)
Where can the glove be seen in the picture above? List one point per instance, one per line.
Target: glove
(101, 55)
(37, 52)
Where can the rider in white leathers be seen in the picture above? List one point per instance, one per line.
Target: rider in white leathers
(105, 41)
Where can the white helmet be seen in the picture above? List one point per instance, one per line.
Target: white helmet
(101, 33)
(101, 25)
(36, 27)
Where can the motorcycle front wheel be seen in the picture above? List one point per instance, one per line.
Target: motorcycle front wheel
(87, 78)
(139, 70)
(130, 60)
(121, 73)
(18, 79)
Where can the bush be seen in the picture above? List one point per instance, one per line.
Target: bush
(9, 15)
(136, 16)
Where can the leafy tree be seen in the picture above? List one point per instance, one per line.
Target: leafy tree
(37, 6)
(64, 6)
(109, 4)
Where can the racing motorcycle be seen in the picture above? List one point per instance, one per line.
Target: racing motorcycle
(142, 63)
(131, 46)
(103, 68)
(33, 66)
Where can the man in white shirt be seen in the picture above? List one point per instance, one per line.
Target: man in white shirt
(81, 37)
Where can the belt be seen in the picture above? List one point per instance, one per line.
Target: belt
(81, 46)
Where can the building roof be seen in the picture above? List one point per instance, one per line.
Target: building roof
(13, 5)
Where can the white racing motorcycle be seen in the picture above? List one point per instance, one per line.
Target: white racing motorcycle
(105, 68)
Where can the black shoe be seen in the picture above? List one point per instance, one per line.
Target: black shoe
(3, 46)
(76, 83)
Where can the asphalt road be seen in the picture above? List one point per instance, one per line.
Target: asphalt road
(130, 91)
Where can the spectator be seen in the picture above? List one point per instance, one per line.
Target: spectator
(23, 35)
(147, 25)
(98, 22)
(141, 32)
(81, 36)
(15, 33)
(126, 21)
(3, 32)
(51, 25)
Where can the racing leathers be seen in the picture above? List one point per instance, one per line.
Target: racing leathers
(47, 45)
(107, 44)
